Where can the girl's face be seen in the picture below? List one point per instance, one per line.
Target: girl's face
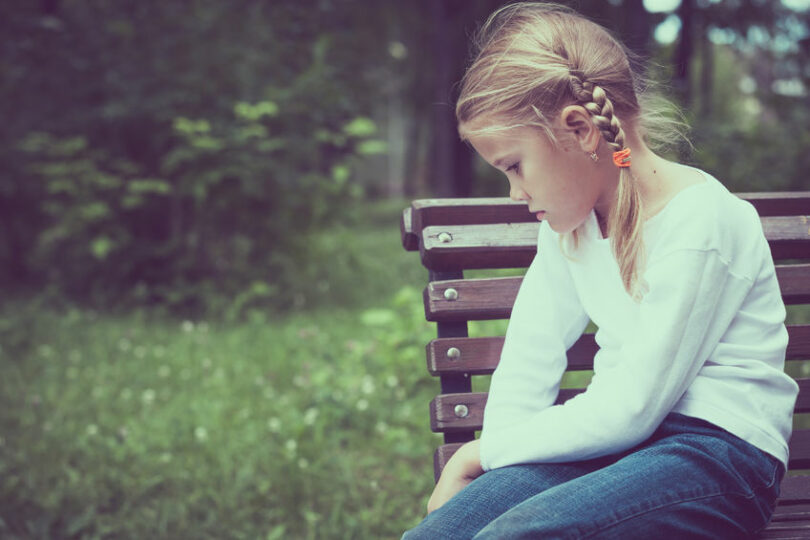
(561, 185)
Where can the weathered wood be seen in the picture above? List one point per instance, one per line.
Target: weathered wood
(513, 245)
(480, 356)
(479, 211)
(493, 298)
(410, 240)
(445, 414)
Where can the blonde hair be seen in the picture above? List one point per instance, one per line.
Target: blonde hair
(531, 60)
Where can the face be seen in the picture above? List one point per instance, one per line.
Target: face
(559, 185)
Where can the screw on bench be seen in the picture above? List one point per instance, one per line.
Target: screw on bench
(445, 237)
(453, 353)
(461, 410)
(450, 294)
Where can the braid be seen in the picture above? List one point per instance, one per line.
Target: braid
(624, 222)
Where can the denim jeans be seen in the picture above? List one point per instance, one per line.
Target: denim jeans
(690, 479)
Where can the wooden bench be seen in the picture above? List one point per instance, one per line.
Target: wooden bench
(454, 235)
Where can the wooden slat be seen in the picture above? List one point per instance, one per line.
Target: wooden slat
(469, 211)
(444, 417)
(480, 356)
(410, 240)
(492, 298)
(513, 245)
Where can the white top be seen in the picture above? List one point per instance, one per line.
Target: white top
(707, 340)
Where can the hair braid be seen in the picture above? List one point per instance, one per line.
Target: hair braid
(625, 219)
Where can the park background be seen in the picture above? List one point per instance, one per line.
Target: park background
(208, 326)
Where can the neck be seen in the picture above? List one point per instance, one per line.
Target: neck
(647, 168)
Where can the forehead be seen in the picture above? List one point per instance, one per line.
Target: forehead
(499, 146)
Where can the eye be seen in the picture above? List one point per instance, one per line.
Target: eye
(515, 166)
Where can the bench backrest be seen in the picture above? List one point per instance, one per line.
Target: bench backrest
(454, 235)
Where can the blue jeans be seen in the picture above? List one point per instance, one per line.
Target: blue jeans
(690, 479)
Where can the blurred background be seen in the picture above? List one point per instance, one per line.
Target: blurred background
(208, 326)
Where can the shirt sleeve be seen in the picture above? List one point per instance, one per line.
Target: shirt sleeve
(546, 319)
(690, 300)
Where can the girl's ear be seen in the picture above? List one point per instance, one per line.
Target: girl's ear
(576, 121)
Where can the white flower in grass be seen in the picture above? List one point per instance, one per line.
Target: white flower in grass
(291, 445)
(139, 351)
(303, 463)
(392, 381)
(124, 344)
(92, 429)
(206, 363)
(200, 433)
(310, 416)
(299, 381)
(165, 457)
(374, 485)
(362, 405)
(45, 351)
(274, 425)
(187, 326)
(368, 385)
(148, 396)
(164, 371)
(381, 427)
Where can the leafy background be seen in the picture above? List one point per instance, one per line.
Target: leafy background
(208, 327)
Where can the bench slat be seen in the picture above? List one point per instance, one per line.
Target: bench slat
(446, 417)
(480, 356)
(513, 245)
(493, 298)
(482, 210)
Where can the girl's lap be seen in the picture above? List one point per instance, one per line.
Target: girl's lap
(690, 479)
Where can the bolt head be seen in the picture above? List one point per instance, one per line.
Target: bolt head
(461, 410)
(450, 294)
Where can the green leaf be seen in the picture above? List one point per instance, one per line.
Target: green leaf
(360, 127)
(100, 247)
(372, 147)
(149, 185)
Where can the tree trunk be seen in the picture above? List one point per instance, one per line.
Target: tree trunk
(684, 50)
(451, 162)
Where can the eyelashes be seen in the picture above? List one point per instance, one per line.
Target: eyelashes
(515, 166)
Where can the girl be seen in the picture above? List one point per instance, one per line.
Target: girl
(682, 432)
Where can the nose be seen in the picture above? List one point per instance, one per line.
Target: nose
(517, 194)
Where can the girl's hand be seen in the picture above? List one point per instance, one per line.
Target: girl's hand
(463, 468)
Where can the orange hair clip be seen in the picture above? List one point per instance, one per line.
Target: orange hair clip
(622, 158)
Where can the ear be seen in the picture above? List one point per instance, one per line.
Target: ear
(576, 121)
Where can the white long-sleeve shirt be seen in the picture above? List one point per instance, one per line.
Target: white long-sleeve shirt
(707, 340)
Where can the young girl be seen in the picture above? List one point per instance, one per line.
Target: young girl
(682, 432)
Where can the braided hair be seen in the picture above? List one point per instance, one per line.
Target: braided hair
(533, 59)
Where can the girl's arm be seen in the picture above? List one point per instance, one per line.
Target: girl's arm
(693, 296)
(546, 320)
